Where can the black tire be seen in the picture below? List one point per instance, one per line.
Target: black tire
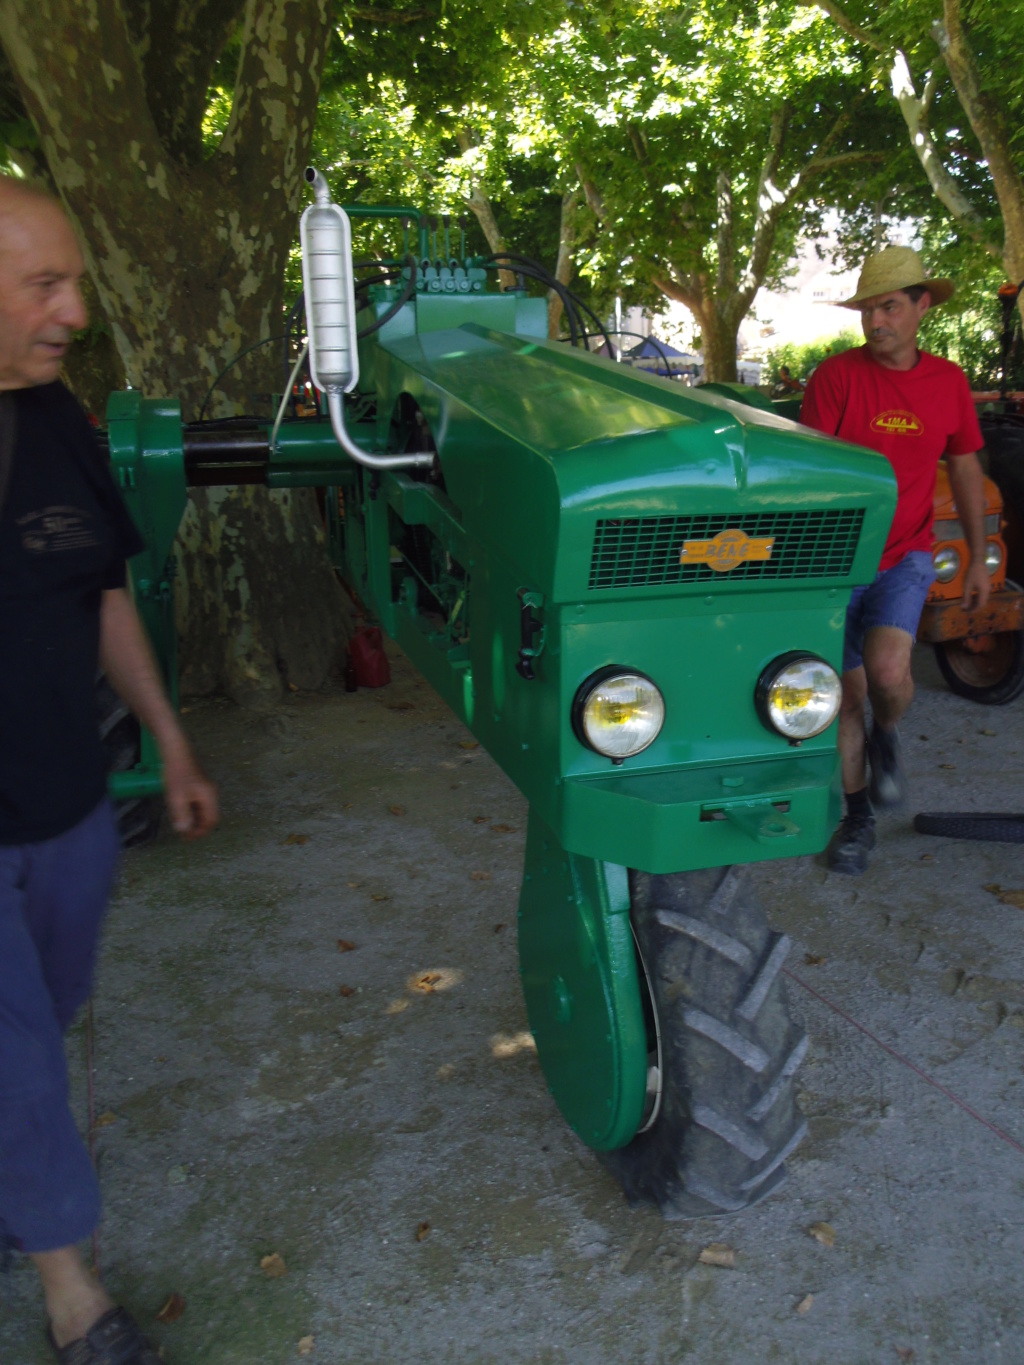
(989, 826)
(1004, 444)
(993, 678)
(727, 1117)
(139, 819)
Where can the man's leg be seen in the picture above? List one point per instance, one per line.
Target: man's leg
(855, 838)
(52, 897)
(851, 730)
(75, 1299)
(890, 686)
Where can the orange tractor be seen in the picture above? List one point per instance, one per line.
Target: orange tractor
(980, 653)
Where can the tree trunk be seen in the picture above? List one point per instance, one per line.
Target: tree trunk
(564, 264)
(719, 344)
(187, 258)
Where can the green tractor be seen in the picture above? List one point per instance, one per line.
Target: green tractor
(633, 595)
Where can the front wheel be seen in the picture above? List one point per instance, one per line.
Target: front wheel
(989, 670)
(722, 1115)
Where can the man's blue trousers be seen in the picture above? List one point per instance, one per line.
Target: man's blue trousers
(53, 895)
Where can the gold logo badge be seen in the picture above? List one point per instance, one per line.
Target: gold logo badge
(896, 422)
(727, 550)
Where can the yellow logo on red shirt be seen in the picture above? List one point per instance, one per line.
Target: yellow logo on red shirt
(896, 422)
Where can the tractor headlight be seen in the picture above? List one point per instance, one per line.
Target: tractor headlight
(993, 556)
(946, 563)
(618, 713)
(798, 695)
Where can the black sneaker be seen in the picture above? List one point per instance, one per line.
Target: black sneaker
(851, 844)
(888, 786)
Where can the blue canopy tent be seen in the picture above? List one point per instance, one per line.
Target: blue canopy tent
(660, 357)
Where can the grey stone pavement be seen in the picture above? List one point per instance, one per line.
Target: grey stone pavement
(264, 1094)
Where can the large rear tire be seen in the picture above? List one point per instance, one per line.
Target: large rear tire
(722, 1114)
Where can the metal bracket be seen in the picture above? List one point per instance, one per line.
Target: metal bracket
(529, 626)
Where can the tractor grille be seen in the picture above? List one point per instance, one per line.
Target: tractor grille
(645, 551)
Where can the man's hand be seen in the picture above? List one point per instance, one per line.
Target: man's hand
(977, 586)
(191, 797)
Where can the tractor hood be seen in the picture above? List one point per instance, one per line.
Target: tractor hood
(600, 479)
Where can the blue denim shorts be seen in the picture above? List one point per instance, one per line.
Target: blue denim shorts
(895, 598)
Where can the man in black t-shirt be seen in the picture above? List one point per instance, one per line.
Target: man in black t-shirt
(65, 612)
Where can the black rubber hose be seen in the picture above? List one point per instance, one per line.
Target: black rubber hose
(514, 256)
(622, 332)
(536, 272)
(399, 303)
(988, 826)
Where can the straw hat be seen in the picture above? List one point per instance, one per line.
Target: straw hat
(897, 267)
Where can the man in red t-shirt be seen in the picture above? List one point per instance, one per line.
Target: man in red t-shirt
(914, 409)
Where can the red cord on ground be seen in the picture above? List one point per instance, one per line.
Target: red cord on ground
(1012, 1142)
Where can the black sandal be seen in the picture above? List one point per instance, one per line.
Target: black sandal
(113, 1339)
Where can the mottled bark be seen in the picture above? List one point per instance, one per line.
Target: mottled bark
(187, 254)
(564, 265)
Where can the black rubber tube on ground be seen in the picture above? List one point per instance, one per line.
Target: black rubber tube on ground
(730, 1048)
(986, 826)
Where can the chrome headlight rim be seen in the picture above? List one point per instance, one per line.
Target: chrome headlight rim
(993, 557)
(945, 573)
(771, 673)
(587, 689)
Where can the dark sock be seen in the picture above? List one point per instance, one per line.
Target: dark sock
(884, 740)
(858, 803)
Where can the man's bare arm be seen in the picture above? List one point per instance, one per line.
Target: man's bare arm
(967, 483)
(128, 662)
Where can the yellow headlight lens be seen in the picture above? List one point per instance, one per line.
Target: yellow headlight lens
(622, 715)
(802, 698)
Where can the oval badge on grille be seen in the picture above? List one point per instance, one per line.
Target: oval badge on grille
(729, 549)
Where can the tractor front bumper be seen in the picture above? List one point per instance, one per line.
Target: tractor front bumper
(942, 621)
(686, 818)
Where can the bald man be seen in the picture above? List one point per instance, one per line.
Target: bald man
(65, 612)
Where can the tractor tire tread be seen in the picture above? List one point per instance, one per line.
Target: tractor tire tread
(730, 1047)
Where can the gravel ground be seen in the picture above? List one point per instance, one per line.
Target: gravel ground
(264, 1094)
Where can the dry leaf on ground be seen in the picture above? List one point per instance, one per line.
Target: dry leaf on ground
(105, 1119)
(824, 1233)
(380, 896)
(813, 959)
(947, 765)
(468, 744)
(503, 829)
(1006, 894)
(481, 819)
(805, 1305)
(346, 991)
(481, 876)
(397, 810)
(498, 928)
(986, 732)
(297, 839)
(427, 981)
(345, 945)
(306, 1345)
(172, 1309)
(718, 1253)
(400, 706)
(273, 1266)
(905, 1352)
(422, 1230)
